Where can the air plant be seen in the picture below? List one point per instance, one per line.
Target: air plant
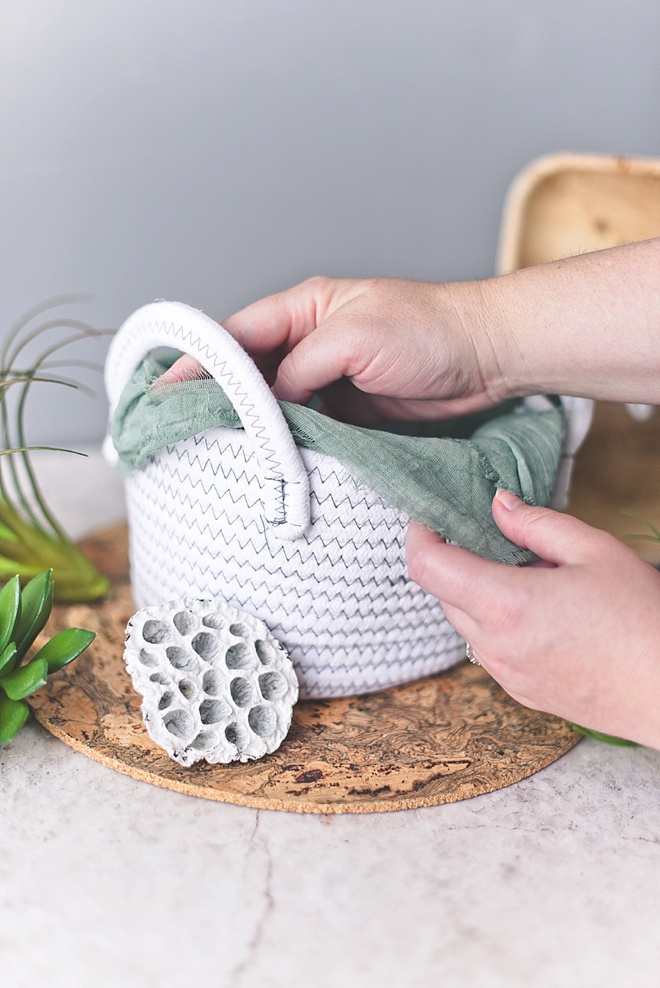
(654, 537)
(23, 616)
(31, 539)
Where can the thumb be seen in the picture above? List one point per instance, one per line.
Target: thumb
(552, 535)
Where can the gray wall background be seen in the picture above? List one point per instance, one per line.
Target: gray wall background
(214, 151)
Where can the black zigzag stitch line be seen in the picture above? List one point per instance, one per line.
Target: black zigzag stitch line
(348, 604)
(437, 632)
(172, 482)
(321, 499)
(348, 680)
(164, 496)
(280, 504)
(262, 551)
(381, 669)
(259, 434)
(341, 577)
(203, 540)
(390, 657)
(343, 570)
(177, 332)
(387, 654)
(392, 545)
(365, 496)
(291, 603)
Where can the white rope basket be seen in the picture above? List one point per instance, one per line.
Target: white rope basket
(286, 534)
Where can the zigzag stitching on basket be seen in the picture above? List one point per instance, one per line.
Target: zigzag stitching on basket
(304, 560)
(232, 441)
(163, 467)
(259, 435)
(280, 504)
(199, 484)
(172, 499)
(343, 571)
(290, 551)
(365, 607)
(177, 331)
(210, 485)
(172, 494)
(347, 665)
(184, 514)
(321, 500)
(277, 483)
(227, 468)
(193, 544)
(437, 638)
(247, 407)
(437, 633)
(368, 496)
(334, 639)
(434, 662)
(219, 509)
(331, 641)
(185, 519)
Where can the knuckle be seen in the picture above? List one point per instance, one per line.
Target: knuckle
(319, 281)
(536, 515)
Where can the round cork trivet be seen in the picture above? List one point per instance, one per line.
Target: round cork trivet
(437, 740)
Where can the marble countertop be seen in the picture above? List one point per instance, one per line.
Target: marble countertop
(106, 881)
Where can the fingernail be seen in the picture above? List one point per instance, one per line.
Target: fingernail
(507, 499)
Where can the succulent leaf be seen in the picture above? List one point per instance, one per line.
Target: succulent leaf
(606, 738)
(13, 714)
(26, 680)
(8, 657)
(10, 609)
(65, 647)
(36, 605)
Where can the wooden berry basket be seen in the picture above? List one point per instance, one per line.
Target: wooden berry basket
(566, 204)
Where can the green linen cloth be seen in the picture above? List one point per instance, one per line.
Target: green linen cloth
(446, 482)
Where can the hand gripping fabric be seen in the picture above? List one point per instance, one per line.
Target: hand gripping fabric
(285, 485)
(335, 590)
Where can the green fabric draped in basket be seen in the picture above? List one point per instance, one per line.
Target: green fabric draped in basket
(446, 482)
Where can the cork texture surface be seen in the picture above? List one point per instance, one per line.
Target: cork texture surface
(437, 740)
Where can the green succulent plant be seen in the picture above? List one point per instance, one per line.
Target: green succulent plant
(23, 616)
(31, 539)
(605, 738)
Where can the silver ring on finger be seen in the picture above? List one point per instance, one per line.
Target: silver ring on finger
(469, 654)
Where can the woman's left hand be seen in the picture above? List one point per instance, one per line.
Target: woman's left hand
(580, 639)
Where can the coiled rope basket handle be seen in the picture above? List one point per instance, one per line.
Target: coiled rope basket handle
(173, 324)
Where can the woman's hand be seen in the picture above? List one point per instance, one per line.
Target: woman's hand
(386, 348)
(373, 349)
(580, 639)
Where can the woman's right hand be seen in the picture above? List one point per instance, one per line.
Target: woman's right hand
(385, 348)
(372, 349)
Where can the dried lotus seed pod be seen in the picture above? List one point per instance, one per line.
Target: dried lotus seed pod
(215, 683)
